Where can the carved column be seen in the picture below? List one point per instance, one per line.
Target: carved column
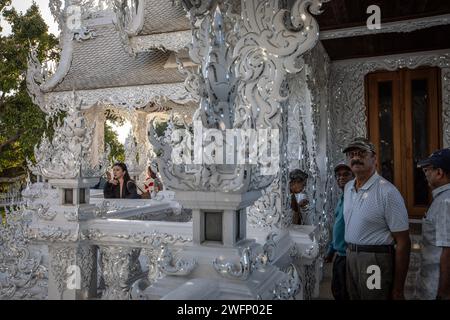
(96, 116)
(121, 267)
(73, 272)
(141, 147)
(272, 58)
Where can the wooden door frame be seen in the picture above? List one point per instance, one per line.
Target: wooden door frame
(433, 76)
(403, 170)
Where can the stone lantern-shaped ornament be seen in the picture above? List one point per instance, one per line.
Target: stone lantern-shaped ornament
(65, 163)
(204, 166)
(234, 150)
(217, 192)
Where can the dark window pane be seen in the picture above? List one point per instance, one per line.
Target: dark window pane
(419, 101)
(68, 196)
(386, 133)
(213, 226)
(82, 196)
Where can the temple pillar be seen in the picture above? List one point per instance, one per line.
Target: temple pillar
(96, 115)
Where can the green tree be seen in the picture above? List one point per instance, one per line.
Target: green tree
(21, 122)
(117, 149)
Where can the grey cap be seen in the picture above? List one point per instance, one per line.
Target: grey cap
(298, 174)
(341, 165)
(360, 143)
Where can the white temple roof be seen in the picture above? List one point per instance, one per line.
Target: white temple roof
(102, 62)
(163, 16)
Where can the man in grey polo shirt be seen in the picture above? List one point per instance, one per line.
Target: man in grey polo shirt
(434, 281)
(376, 229)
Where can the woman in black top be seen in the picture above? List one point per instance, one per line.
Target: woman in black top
(121, 185)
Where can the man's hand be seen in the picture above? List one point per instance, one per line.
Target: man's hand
(401, 263)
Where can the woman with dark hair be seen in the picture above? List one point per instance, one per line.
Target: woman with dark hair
(121, 185)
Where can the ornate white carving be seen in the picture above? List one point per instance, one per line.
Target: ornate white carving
(54, 234)
(232, 271)
(153, 239)
(266, 213)
(120, 267)
(402, 26)
(84, 34)
(172, 41)
(82, 256)
(169, 265)
(289, 288)
(38, 199)
(104, 208)
(124, 97)
(22, 273)
(68, 154)
(243, 90)
(250, 259)
(347, 91)
(136, 156)
(124, 16)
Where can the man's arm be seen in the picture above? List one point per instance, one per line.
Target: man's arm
(444, 274)
(402, 252)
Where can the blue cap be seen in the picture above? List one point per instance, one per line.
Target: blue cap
(438, 159)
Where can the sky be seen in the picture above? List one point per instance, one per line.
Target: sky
(23, 5)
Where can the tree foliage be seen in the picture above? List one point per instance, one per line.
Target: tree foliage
(117, 149)
(21, 122)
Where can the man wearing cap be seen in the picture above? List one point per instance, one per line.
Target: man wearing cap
(434, 281)
(337, 247)
(376, 229)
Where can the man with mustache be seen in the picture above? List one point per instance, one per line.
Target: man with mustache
(434, 282)
(376, 229)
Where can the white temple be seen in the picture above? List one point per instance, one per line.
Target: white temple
(219, 230)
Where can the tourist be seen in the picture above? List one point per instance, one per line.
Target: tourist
(434, 281)
(152, 184)
(103, 180)
(337, 247)
(121, 185)
(376, 219)
(299, 202)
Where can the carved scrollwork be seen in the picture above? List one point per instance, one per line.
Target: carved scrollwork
(232, 271)
(248, 262)
(169, 265)
(125, 97)
(22, 272)
(120, 267)
(67, 155)
(84, 34)
(55, 234)
(171, 41)
(61, 258)
(397, 27)
(289, 288)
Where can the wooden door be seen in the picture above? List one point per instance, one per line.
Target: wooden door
(404, 122)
